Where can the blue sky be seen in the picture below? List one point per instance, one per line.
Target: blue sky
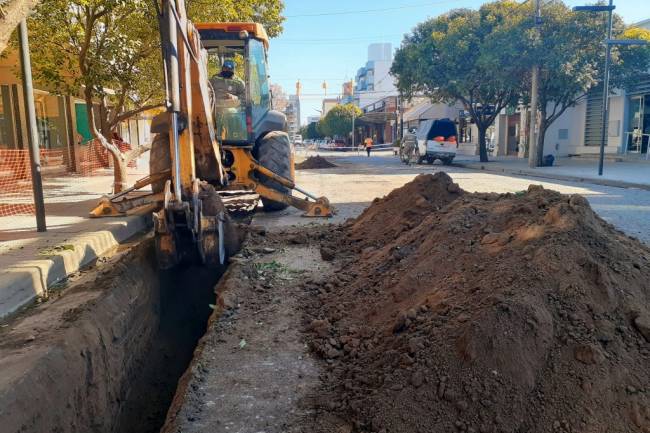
(328, 40)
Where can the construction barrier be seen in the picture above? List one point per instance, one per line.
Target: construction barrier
(15, 183)
(377, 147)
(63, 172)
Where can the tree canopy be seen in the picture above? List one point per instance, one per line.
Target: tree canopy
(338, 121)
(471, 56)
(569, 52)
(483, 59)
(109, 51)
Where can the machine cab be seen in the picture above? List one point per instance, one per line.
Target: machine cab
(242, 103)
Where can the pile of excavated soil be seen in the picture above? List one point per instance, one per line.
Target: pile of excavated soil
(455, 311)
(314, 162)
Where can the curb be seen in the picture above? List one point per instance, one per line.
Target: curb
(28, 279)
(604, 182)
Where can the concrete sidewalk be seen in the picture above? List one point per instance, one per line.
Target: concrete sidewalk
(31, 262)
(625, 174)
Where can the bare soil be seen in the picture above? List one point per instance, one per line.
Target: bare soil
(451, 311)
(314, 162)
(252, 371)
(105, 354)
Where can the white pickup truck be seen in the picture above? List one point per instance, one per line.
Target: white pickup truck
(436, 139)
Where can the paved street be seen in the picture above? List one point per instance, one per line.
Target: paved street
(359, 179)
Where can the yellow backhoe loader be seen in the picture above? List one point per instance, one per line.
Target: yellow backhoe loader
(216, 137)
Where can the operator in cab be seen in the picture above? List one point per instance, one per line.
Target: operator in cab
(226, 84)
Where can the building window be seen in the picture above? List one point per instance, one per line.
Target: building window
(563, 134)
(51, 121)
(7, 134)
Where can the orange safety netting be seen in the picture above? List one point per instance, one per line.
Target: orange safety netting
(15, 183)
(59, 168)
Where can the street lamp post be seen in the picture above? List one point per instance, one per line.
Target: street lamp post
(608, 56)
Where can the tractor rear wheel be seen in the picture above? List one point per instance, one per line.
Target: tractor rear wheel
(274, 153)
(159, 160)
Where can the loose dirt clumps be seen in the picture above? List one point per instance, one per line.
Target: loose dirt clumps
(314, 162)
(455, 311)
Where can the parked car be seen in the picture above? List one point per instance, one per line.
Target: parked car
(338, 144)
(297, 139)
(436, 139)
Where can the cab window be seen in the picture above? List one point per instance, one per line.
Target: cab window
(259, 85)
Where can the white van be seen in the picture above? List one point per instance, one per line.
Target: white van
(436, 139)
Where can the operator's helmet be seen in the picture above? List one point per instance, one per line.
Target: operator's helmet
(228, 66)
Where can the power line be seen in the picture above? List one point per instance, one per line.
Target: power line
(363, 11)
(351, 38)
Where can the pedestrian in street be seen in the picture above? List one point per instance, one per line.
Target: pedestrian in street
(368, 143)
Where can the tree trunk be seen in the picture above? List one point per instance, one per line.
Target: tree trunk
(482, 144)
(540, 140)
(119, 162)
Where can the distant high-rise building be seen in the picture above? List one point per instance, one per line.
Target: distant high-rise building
(348, 92)
(293, 115)
(328, 104)
(373, 81)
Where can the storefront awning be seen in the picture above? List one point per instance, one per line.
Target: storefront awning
(377, 118)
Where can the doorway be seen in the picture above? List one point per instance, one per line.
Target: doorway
(638, 134)
(512, 138)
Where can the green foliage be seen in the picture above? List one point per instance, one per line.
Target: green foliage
(483, 58)
(569, 52)
(312, 132)
(266, 12)
(471, 56)
(109, 51)
(338, 121)
(631, 64)
(109, 47)
(113, 46)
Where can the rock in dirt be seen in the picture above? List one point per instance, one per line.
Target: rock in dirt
(589, 354)
(642, 323)
(327, 254)
(527, 301)
(314, 162)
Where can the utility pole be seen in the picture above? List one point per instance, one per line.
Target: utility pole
(353, 116)
(532, 139)
(32, 129)
(608, 56)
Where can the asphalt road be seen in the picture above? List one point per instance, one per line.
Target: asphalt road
(358, 180)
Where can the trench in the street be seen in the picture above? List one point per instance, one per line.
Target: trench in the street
(186, 294)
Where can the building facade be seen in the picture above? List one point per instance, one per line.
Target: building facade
(328, 104)
(373, 81)
(578, 130)
(62, 122)
(292, 111)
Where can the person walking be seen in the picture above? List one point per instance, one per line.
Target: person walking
(368, 143)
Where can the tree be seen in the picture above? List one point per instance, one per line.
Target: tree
(469, 56)
(311, 131)
(338, 121)
(569, 52)
(266, 12)
(107, 51)
(110, 51)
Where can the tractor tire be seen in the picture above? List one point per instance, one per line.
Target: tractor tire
(159, 160)
(274, 153)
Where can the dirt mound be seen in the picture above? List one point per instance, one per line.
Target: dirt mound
(314, 162)
(403, 209)
(484, 312)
